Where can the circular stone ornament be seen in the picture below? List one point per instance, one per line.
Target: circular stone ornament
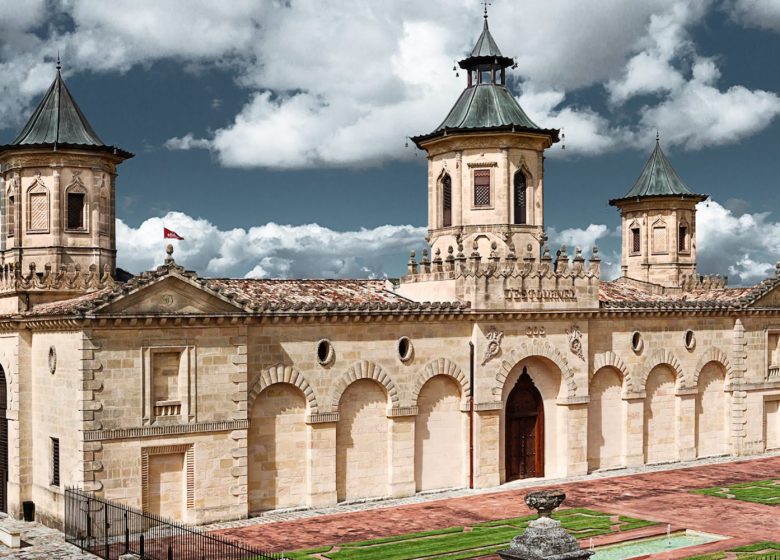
(52, 359)
(690, 340)
(637, 343)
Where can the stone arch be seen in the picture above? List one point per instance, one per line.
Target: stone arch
(442, 366)
(526, 350)
(363, 370)
(284, 374)
(712, 355)
(656, 358)
(609, 359)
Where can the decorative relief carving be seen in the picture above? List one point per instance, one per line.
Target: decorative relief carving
(575, 341)
(67, 278)
(473, 164)
(535, 331)
(493, 347)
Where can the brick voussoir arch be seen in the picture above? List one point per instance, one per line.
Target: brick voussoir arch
(284, 374)
(442, 366)
(363, 370)
(535, 349)
(658, 357)
(612, 360)
(713, 355)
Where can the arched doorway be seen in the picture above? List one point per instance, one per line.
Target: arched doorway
(524, 443)
(3, 443)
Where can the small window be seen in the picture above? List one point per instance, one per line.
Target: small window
(105, 212)
(404, 349)
(482, 187)
(520, 204)
(39, 212)
(636, 342)
(682, 239)
(55, 461)
(76, 210)
(660, 242)
(446, 201)
(690, 340)
(325, 353)
(636, 246)
(11, 216)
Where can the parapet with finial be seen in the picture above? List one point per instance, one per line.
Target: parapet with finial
(696, 282)
(494, 282)
(68, 278)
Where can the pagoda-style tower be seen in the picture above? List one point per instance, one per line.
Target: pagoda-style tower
(58, 181)
(659, 225)
(486, 165)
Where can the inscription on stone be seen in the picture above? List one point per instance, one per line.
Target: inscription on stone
(516, 294)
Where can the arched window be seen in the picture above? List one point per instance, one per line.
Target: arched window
(446, 201)
(38, 208)
(520, 198)
(76, 210)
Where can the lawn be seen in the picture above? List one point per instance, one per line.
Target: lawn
(760, 551)
(761, 492)
(461, 543)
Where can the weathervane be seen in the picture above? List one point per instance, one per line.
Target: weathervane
(486, 3)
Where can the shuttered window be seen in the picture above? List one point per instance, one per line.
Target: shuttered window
(55, 461)
(520, 198)
(682, 239)
(11, 216)
(446, 197)
(635, 244)
(39, 212)
(76, 210)
(482, 187)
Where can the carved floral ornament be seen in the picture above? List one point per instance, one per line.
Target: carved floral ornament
(575, 341)
(493, 347)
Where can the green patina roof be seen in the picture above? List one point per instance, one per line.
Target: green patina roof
(486, 45)
(658, 178)
(58, 120)
(486, 106)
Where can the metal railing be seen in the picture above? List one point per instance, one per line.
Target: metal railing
(109, 529)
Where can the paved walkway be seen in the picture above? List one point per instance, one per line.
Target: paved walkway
(661, 496)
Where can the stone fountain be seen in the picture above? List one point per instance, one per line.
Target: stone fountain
(544, 538)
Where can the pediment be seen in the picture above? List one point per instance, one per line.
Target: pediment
(169, 295)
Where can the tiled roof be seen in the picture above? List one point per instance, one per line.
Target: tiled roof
(619, 294)
(261, 296)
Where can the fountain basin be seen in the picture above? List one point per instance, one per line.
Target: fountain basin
(654, 545)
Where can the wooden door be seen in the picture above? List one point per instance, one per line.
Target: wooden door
(524, 445)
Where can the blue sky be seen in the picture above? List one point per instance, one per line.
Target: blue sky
(271, 134)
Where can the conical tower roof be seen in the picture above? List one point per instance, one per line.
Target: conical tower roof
(58, 122)
(490, 106)
(658, 179)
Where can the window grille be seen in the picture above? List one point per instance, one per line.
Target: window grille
(482, 187)
(55, 461)
(11, 216)
(446, 184)
(635, 245)
(39, 212)
(76, 210)
(520, 186)
(682, 239)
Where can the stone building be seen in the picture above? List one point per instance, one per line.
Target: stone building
(494, 358)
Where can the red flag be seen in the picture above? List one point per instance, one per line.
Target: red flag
(170, 234)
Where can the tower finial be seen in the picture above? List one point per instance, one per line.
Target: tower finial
(657, 136)
(485, 14)
(59, 62)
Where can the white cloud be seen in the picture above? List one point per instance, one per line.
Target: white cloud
(267, 251)
(744, 246)
(331, 84)
(757, 13)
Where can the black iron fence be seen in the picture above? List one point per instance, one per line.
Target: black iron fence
(109, 530)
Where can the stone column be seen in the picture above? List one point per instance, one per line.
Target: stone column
(401, 452)
(321, 457)
(576, 414)
(487, 444)
(505, 185)
(686, 423)
(635, 430)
